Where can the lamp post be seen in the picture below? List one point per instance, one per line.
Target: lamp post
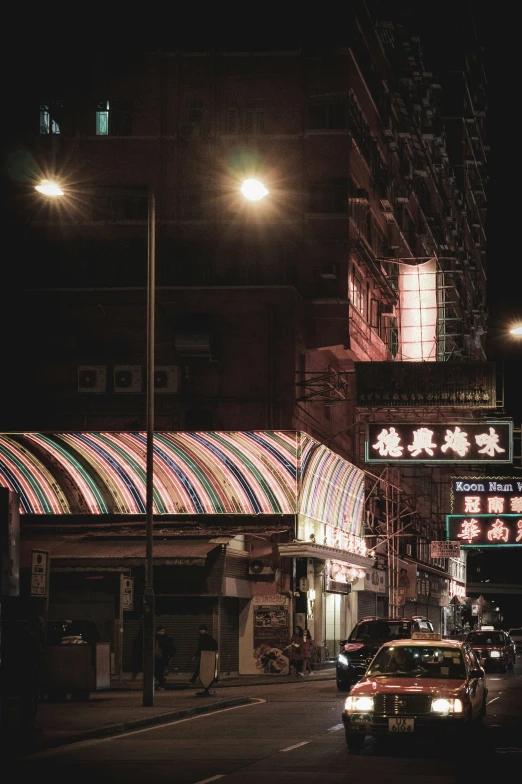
(53, 190)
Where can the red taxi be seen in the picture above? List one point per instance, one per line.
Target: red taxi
(494, 648)
(417, 688)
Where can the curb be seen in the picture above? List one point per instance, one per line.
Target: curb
(118, 729)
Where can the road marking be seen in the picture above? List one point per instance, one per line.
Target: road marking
(335, 727)
(296, 745)
(509, 750)
(94, 741)
(212, 778)
(493, 700)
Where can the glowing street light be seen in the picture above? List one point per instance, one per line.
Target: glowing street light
(253, 190)
(49, 188)
(517, 331)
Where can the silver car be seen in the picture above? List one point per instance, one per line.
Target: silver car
(516, 636)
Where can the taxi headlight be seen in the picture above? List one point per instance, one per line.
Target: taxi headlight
(342, 659)
(363, 704)
(495, 654)
(446, 706)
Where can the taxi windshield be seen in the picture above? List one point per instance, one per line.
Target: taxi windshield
(485, 638)
(428, 661)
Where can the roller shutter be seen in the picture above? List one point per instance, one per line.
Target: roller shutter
(366, 604)
(228, 634)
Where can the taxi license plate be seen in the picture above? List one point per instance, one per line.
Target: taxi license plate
(401, 725)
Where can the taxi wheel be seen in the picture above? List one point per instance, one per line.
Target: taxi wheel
(354, 742)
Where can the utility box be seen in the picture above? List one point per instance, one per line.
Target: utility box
(77, 670)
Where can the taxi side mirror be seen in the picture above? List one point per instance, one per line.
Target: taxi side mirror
(477, 674)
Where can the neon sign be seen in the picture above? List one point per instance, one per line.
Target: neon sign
(485, 530)
(463, 442)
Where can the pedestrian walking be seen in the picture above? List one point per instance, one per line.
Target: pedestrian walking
(295, 651)
(137, 653)
(205, 643)
(306, 652)
(163, 652)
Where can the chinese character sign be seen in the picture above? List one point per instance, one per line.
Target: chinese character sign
(485, 495)
(473, 442)
(485, 530)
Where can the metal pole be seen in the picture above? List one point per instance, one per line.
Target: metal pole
(148, 598)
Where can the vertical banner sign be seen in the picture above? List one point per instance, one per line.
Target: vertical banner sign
(271, 635)
(9, 542)
(127, 592)
(40, 573)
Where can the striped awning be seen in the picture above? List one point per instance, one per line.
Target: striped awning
(195, 473)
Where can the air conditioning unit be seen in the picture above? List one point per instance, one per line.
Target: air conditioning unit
(328, 272)
(189, 130)
(127, 379)
(92, 379)
(261, 567)
(387, 309)
(167, 379)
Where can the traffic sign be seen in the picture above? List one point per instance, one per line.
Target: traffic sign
(445, 549)
(127, 592)
(40, 573)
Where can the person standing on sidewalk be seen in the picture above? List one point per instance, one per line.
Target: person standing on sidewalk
(164, 651)
(205, 643)
(295, 651)
(306, 652)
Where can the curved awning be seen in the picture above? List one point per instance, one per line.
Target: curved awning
(195, 473)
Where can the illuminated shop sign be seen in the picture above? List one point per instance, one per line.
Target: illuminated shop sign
(486, 495)
(463, 442)
(485, 530)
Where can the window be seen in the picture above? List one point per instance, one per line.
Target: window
(50, 117)
(102, 119)
(247, 117)
(114, 122)
(329, 197)
(391, 337)
(325, 115)
(357, 290)
(375, 312)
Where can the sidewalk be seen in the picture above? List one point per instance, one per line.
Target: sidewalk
(179, 681)
(120, 709)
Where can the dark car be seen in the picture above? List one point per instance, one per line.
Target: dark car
(494, 647)
(366, 638)
(71, 632)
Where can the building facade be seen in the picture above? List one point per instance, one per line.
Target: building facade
(369, 247)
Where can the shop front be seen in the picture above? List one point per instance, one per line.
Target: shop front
(239, 518)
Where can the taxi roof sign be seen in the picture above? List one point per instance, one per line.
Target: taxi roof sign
(426, 636)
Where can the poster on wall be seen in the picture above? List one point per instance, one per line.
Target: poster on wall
(407, 580)
(271, 637)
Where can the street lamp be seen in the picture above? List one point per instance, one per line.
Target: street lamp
(51, 190)
(253, 190)
(517, 331)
